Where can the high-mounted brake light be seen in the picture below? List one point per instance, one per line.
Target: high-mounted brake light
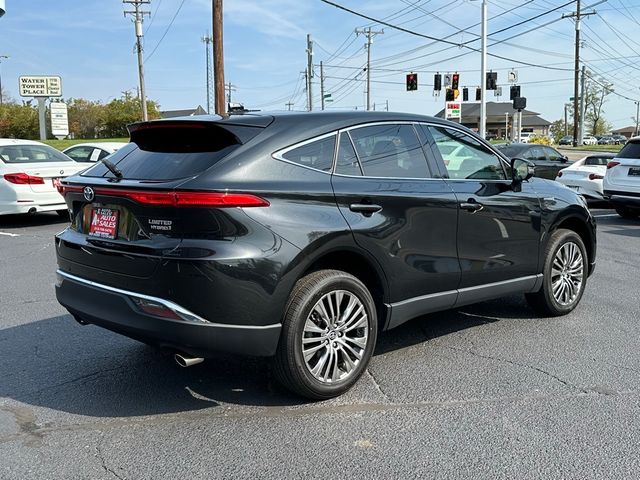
(178, 198)
(23, 179)
(612, 164)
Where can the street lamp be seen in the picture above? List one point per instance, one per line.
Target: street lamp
(2, 57)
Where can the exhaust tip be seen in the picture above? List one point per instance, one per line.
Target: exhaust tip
(185, 361)
(32, 210)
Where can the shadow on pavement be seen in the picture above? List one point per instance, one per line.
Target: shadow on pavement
(58, 364)
(32, 220)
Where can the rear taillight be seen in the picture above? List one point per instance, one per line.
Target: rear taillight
(23, 179)
(559, 174)
(178, 199)
(612, 164)
(595, 176)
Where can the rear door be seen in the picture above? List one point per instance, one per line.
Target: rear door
(398, 210)
(498, 228)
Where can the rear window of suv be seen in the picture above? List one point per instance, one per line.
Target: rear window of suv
(169, 151)
(630, 150)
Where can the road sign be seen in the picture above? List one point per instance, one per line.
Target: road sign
(512, 76)
(40, 86)
(59, 119)
(447, 79)
(453, 110)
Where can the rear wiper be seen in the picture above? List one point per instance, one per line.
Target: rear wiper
(112, 168)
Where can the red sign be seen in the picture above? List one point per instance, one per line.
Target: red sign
(104, 223)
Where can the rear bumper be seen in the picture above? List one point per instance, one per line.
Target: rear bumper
(626, 199)
(8, 208)
(116, 310)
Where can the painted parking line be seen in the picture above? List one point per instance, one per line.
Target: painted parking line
(9, 234)
(606, 215)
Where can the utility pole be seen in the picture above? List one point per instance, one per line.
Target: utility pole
(483, 73)
(208, 40)
(138, 16)
(218, 58)
(506, 125)
(577, 16)
(5, 57)
(566, 123)
(288, 105)
(637, 115)
(370, 34)
(321, 86)
(387, 107)
(309, 76)
(582, 105)
(229, 87)
(306, 84)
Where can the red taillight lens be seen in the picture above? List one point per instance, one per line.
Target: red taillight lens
(23, 179)
(178, 199)
(612, 164)
(559, 174)
(595, 176)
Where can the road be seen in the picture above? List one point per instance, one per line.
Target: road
(487, 391)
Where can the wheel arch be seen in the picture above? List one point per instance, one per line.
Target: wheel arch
(584, 228)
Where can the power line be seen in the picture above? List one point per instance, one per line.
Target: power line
(166, 31)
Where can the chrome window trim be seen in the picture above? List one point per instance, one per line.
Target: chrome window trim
(278, 155)
(167, 303)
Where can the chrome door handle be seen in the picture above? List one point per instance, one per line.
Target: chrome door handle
(366, 209)
(472, 207)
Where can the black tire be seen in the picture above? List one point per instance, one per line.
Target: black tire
(63, 213)
(627, 213)
(543, 301)
(290, 367)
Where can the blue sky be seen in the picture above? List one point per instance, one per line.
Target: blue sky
(90, 44)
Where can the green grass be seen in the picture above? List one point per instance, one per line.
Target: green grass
(596, 148)
(62, 144)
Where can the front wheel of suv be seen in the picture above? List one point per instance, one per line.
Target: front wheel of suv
(565, 275)
(328, 335)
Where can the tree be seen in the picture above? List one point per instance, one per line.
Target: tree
(18, 121)
(86, 118)
(121, 112)
(557, 130)
(597, 89)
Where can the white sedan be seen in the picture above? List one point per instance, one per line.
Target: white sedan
(589, 140)
(92, 152)
(585, 176)
(29, 174)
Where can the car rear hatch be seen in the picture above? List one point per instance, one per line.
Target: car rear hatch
(129, 221)
(624, 170)
(51, 173)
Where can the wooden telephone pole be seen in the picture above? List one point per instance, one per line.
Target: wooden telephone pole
(218, 59)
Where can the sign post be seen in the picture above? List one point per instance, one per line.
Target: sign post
(59, 119)
(40, 87)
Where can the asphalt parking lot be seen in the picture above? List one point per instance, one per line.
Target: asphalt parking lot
(486, 391)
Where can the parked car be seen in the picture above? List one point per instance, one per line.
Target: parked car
(589, 140)
(621, 182)
(525, 136)
(585, 175)
(29, 173)
(547, 160)
(619, 139)
(92, 152)
(566, 140)
(607, 140)
(301, 236)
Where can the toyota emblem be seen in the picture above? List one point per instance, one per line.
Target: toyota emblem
(88, 194)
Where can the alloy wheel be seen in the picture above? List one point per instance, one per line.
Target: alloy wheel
(567, 274)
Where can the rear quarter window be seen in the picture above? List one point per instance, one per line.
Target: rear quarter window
(317, 154)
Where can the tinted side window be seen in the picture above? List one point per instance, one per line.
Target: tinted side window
(347, 162)
(465, 157)
(80, 154)
(318, 154)
(390, 151)
(552, 154)
(536, 153)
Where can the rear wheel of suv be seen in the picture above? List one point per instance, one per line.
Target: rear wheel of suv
(565, 275)
(626, 212)
(328, 335)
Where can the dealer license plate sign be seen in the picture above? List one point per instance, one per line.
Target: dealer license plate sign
(634, 172)
(104, 223)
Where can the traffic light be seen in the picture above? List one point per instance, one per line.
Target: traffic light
(492, 80)
(437, 82)
(478, 94)
(514, 92)
(450, 97)
(465, 94)
(455, 81)
(412, 82)
(519, 103)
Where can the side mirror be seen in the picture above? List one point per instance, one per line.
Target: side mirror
(564, 159)
(521, 170)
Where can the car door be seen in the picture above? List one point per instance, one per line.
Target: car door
(401, 213)
(498, 225)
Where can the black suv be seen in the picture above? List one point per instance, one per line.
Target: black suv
(301, 236)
